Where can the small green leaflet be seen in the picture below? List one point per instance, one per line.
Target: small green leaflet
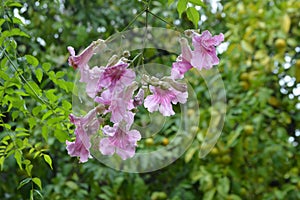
(193, 16)
(181, 7)
(39, 74)
(38, 182)
(197, 3)
(32, 60)
(48, 159)
(24, 182)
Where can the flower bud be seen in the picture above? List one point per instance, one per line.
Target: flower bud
(126, 54)
(113, 60)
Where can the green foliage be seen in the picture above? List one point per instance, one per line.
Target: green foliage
(253, 159)
(191, 12)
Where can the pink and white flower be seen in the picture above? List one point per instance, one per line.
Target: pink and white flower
(183, 62)
(87, 75)
(204, 54)
(116, 77)
(85, 126)
(120, 140)
(120, 102)
(162, 99)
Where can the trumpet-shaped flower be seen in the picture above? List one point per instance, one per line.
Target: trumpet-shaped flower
(120, 102)
(87, 75)
(183, 62)
(204, 54)
(162, 100)
(85, 126)
(120, 139)
(116, 77)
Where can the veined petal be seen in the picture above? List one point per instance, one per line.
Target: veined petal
(105, 147)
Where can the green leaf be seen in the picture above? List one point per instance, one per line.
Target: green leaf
(181, 7)
(51, 96)
(45, 132)
(32, 60)
(24, 182)
(47, 114)
(39, 193)
(72, 185)
(12, 32)
(193, 15)
(46, 66)
(209, 195)
(22, 134)
(247, 46)
(197, 3)
(14, 4)
(28, 169)
(60, 74)
(4, 76)
(38, 182)
(170, 2)
(1, 162)
(18, 157)
(232, 138)
(33, 89)
(32, 122)
(2, 22)
(62, 136)
(39, 74)
(223, 186)
(189, 154)
(31, 195)
(36, 110)
(66, 105)
(48, 160)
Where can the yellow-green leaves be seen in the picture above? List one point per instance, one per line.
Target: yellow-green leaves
(191, 12)
(18, 157)
(181, 6)
(193, 15)
(48, 160)
(286, 23)
(38, 182)
(247, 47)
(39, 74)
(32, 60)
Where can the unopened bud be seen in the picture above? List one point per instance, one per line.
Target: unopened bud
(164, 85)
(113, 60)
(126, 54)
(125, 60)
(189, 33)
(182, 87)
(154, 79)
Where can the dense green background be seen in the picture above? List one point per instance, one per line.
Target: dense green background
(257, 156)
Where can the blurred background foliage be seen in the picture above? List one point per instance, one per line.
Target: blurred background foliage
(257, 155)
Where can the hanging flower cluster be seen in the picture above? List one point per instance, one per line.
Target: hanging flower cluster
(114, 88)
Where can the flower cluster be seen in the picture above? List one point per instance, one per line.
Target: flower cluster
(114, 88)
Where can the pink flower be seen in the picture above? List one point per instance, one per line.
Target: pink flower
(116, 77)
(183, 62)
(81, 61)
(120, 102)
(80, 147)
(139, 98)
(204, 54)
(120, 140)
(85, 126)
(162, 100)
(87, 75)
